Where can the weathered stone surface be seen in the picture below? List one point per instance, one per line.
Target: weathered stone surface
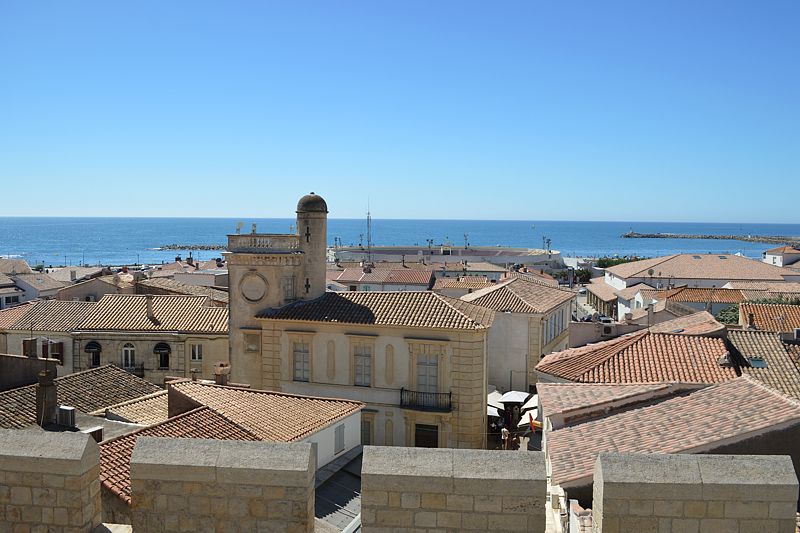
(42, 452)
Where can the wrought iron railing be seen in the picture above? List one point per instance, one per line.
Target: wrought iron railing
(136, 370)
(426, 401)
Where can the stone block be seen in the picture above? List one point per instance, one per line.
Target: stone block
(647, 477)
(448, 519)
(480, 472)
(264, 463)
(747, 509)
(459, 502)
(695, 509)
(748, 477)
(685, 525)
(37, 452)
(409, 500)
(718, 525)
(174, 460)
(408, 469)
(490, 504)
(425, 519)
(433, 501)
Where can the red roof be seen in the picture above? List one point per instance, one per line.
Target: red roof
(692, 423)
(643, 357)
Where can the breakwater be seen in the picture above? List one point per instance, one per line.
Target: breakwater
(191, 247)
(768, 239)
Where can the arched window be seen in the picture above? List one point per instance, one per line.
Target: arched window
(163, 350)
(128, 356)
(93, 348)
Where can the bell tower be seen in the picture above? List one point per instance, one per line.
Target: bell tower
(267, 271)
(312, 228)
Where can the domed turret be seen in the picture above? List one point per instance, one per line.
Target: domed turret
(312, 203)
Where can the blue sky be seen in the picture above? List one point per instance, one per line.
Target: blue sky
(679, 110)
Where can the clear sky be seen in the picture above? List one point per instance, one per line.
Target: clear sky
(635, 110)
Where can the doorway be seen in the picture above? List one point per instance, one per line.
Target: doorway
(426, 436)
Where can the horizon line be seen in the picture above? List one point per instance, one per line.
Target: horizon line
(401, 219)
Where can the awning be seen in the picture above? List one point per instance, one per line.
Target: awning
(493, 399)
(514, 396)
(533, 403)
(528, 418)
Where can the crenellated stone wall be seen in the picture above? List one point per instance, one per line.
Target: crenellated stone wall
(637, 493)
(224, 486)
(446, 490)
(49, 481)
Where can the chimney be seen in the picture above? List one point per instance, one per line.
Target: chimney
(148, 298)
(29, 347)
(751, 321)
(650, 315)
(73, 275)
(46, 399)
(190, 259)
(221, 373)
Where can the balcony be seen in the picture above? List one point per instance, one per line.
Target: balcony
(136, 370)
(426, 401)
(262, 242)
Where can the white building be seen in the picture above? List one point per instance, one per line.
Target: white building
(782, 256)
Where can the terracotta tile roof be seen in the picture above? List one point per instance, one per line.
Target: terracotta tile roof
(64, 274)
(400, 276)
(410, 277)
(171, 286)
(602, 290)
(630, 292)
(702, 266)
(462, 282)
(86, 391)
(5, 280)
(268, 415)
(562, 398)
(702, 323)
(774, 296)
(783, 250)
(10, 315)
(700, 295)
(147, 410)
(771, 317)
(128, 312)
(782, 370)
(690, 423)
(405, 308)
(201, 423)
(39, 281)
(14, 266)
(544, 279)
(54, 315)
(642, 357)
(788, 286)
(519, 295)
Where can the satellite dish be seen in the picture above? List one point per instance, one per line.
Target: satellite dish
(239, 226)
(651, 272)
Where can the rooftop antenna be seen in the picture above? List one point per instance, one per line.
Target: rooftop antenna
(239, 226)
(369, 235)
(466, 241)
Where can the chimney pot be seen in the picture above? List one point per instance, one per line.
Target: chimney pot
(751, 321)
(148, 298)
(46, 398)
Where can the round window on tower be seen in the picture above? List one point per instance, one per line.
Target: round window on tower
(253, 287)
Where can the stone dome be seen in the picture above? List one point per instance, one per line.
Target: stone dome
(312, 203)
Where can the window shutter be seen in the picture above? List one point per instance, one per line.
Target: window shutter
(45, 349)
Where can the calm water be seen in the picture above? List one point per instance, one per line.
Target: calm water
(128, 240)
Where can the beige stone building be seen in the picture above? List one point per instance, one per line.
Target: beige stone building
(153, 336)
(417, 359)
(532, 320)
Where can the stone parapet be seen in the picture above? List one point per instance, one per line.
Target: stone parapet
(448, 490)
(638, 493)
(49, 481)
(212, 485)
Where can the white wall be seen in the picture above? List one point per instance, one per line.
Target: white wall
(325, 438)
(508, 351)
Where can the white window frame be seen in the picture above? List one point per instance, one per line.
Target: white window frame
(362, 364)
(128, 355)
(303, 357)
(196, 352)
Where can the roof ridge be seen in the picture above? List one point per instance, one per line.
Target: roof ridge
(448, 301)
(132, 401)
(264, 391)
(229, 419)
(158, 424)
(770, 390)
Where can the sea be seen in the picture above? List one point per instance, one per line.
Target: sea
(127, 241)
